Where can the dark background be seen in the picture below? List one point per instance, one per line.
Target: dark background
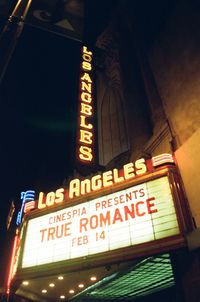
(38, 99)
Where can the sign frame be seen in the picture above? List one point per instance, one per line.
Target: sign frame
(122, 254)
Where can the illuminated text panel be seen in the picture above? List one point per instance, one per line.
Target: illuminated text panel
(136, 215)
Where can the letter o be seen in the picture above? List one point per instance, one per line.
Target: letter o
(86, 57)
(50, 199)
(93, 221)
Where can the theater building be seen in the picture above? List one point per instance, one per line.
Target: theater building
(126, 226)
(108, 231)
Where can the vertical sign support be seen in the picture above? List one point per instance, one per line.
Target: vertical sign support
(11, 33)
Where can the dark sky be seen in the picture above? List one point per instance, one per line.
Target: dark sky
(38, 98)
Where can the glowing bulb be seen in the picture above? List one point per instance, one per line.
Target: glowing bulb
(93, 278)
(81, 285)
(51, 285)
(25, 283)
(71, 291)
(60, 277)
(44, 291)
(62, 297)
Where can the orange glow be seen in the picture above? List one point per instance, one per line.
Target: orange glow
(52, 198)
(86, 137)
(85, 50)
(83, 123)
(86, 87)
(140, 166)
(87, 57)
(25, 283)
(11, 272)
(86, 109)
(85, 153)
(97, 182)
(86, 66)
(86, 97)
(62, 297)
(29, 206)
(129, 171)
(86, 77)
(85, 140)
(107, 179)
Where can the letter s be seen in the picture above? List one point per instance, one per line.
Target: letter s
(59, 195)
(85, 153)
(140, 166)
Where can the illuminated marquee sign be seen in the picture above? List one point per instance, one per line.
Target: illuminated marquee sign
(85, 135)
(139, 214)
(79, 187)
(27, 204)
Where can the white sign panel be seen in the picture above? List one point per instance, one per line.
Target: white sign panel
(136, 215)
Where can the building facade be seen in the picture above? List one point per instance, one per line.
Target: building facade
(144, 93)
(150, 65)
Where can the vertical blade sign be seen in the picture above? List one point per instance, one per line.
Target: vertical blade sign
(85, 143)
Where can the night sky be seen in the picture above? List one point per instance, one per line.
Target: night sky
(39, 97)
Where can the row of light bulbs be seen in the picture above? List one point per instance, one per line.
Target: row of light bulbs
(71, 291)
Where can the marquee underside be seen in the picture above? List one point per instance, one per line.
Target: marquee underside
(121, 282)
